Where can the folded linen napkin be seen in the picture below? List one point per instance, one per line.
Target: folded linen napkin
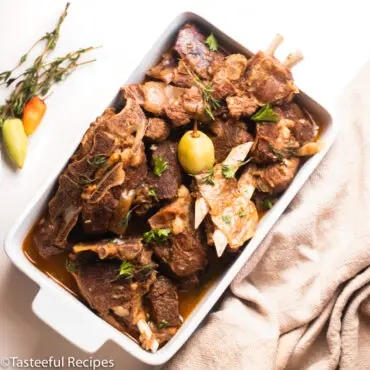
(303, 299)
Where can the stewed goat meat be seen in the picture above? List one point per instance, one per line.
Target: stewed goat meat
(162, 193)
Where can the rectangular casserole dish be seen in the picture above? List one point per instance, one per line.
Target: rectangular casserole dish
(76, 322)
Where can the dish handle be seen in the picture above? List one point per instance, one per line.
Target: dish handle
(71, 320)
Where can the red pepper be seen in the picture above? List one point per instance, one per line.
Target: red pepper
(32, 114)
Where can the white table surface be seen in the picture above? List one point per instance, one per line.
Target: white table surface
(331, 34)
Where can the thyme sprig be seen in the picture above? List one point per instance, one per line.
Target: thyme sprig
(206, 89)
(41, 75)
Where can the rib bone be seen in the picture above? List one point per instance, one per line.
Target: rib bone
(201, 211)
(293, 59)
(147, 334)
(275, 43)
(220, 242)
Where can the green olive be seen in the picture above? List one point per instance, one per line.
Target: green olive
(196, 152)
(15, 141)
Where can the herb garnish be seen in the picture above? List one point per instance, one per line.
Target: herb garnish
(37, 79)
(156, 235)
(226, 219)
(125, 269)
(163, 324)
(265, 114)
(212, 42)
(267, 203)
(242, 213)
(153, 193)
(71, 266)
(277, 153)
(97, 161)
(159, 165)
(229, 170)
(125, 220)
(208, 178)
(210, 103)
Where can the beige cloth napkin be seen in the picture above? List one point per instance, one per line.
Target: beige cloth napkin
(306, 303)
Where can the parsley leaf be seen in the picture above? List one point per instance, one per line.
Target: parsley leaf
(152, 193)
(228, 171)
(71, 266)
(242, 213)
(156, 235)
(125, 269)
(212, 42)
(226, 219)
(267, 203)
(208, 178)
(163, 324)
(159, 165)
(265, 114)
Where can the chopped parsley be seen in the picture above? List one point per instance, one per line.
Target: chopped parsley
(267, 203)
(242, 213)
(226, 219)
(159, 165)
(229, 171)
(163, 324)
(279, 155)
(265, 114)
(97, 161)
(125, 269)
(156, 235)
(212, 42)
(71, 266)
(208, 178)
(152, 193)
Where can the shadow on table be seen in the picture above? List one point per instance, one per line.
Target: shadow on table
(16, 295)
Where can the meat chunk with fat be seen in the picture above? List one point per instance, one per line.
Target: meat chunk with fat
(190, 44)
(165, 69)
(164, 302)
(269, 80)
(241, 105)
(228, 135)
(167, 184)
(275, 178)
(157, 129)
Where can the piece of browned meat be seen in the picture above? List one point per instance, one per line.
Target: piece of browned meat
(167, 184)
(275, 141)
(164, 302)
(227, 75)
(228, 135)
(275, 178)
(157, 130)
(269, 80)
(183, 251)
(164, 70)
(190, 44)
(242, 105)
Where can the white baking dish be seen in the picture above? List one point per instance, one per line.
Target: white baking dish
(75, 321)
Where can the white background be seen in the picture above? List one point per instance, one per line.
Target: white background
(333, 36)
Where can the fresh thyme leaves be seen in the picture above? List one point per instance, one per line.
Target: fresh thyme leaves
(156, 235)
(208, 178)
(97, 161)
(210, 103)
(125, 269)
(267, 203)
(124, 222)
(85, 180)
(37, 79)
(159, 166)
(226, 219)
(279, 155)
(163, 324)
(212, 42)
(71, 266)
(265, 114)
